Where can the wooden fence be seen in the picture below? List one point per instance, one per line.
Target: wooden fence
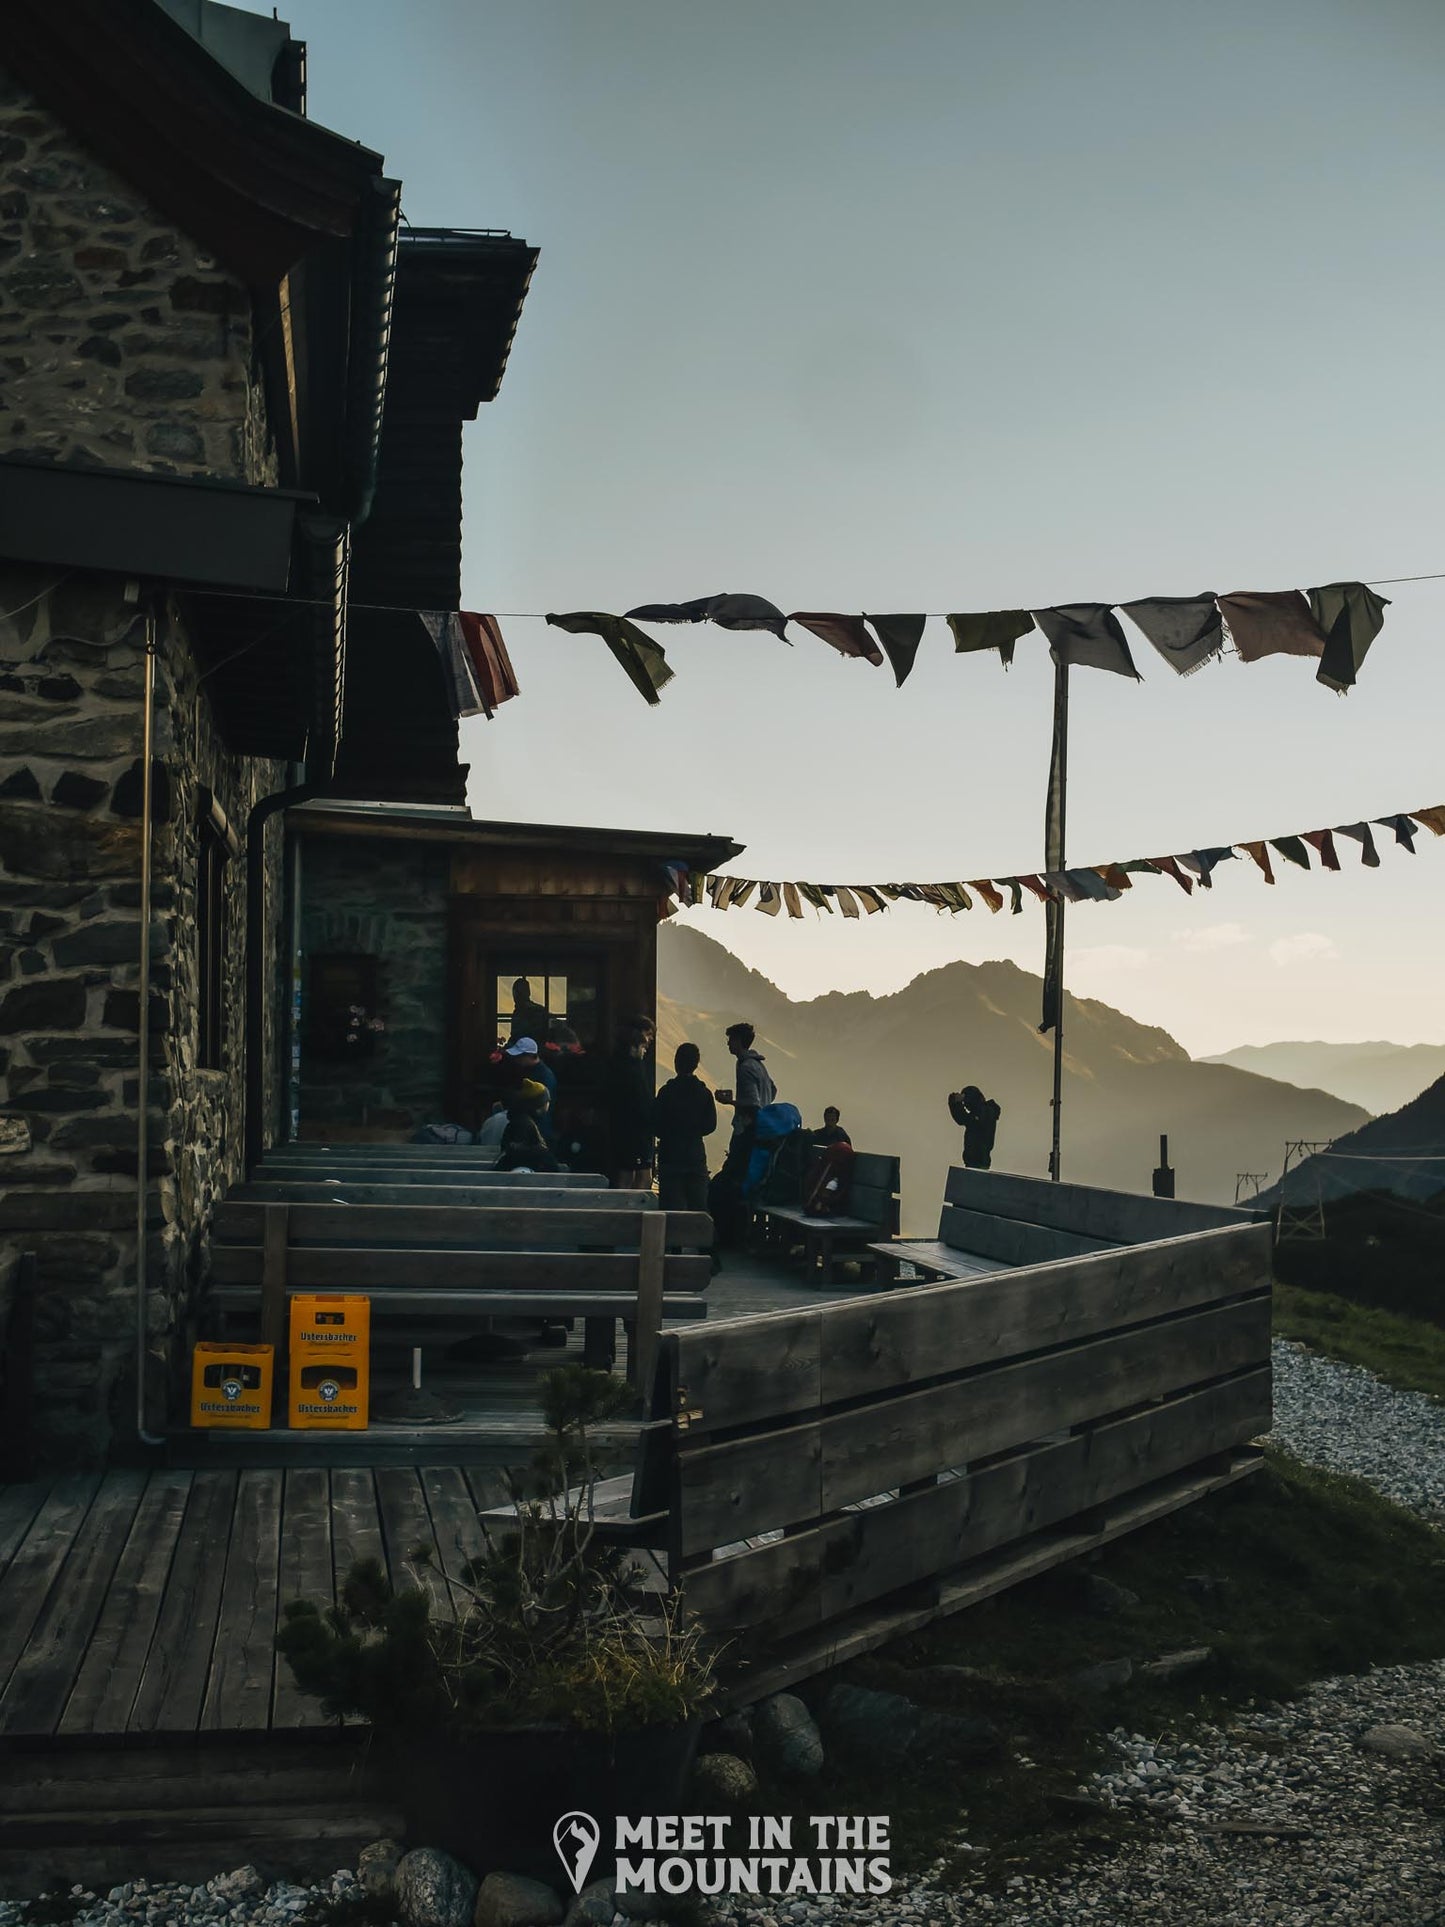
(834, 1477)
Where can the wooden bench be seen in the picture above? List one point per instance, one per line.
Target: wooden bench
(470, 1262)
(996, 1221)
(872, 1213)
(314, 1171)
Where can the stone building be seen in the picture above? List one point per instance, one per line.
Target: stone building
(198, 307)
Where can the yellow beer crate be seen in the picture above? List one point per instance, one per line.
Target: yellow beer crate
(329, 1393)
(333, 1322)
(231, 1385)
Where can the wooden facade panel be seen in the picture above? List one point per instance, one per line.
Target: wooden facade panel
(861, 1556)
(1119, 1217)
(499, 872)
(903, 1337)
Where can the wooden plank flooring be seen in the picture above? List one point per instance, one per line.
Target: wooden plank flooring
(147, 1603)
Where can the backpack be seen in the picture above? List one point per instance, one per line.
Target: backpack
(777, 1126)
(828, 1183)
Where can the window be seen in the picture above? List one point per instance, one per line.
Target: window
(215, 846)
(342, 1014)
(554, 1002)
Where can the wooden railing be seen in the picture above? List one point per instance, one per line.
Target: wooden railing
(834, 1476)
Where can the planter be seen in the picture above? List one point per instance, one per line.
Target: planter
(494, 1799)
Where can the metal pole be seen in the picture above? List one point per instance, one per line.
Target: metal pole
(1060, 788)
(143, 1043)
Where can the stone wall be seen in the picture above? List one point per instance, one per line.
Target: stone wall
(389, 901)
(71, 688)
(121, 341)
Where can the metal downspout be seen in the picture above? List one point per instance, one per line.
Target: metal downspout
(261, 813)
(143, 1028)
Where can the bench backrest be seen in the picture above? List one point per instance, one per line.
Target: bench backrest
(538, 1197)
(467, 1227)
(1090, 1217)
(873, 1195)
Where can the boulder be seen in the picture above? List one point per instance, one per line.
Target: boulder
(594, 1906)
(1396, 1742)
(1173, 1665)
(722, 1779)
(867, 1725)
(434, 1890)
(376, 1867)
(786, 1737)
(511, 1900)
(1105, 1677)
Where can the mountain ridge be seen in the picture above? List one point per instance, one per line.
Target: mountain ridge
(890, 1061)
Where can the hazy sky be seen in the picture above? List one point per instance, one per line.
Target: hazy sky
(959, 306)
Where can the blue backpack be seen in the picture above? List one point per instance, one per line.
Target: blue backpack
(776, 1123)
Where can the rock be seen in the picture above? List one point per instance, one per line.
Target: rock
(723, 1779)
(1173, 1665)
(56, 1004)
(731, 1735)
(433, 1890)
(1101, 1595)
(786, 1736)
(677, 1910)
(868, 1725)
(594, 1906)
(1105, 1677)
(244, 1883)
(511, 1900)
(1395, 1742)
(376, 1868)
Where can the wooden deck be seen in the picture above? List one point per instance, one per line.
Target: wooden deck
(146, 1602)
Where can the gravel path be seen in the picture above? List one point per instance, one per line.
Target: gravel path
(1359, 1822)
(1343, 1418)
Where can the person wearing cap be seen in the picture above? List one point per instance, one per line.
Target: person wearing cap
(522, 1059)
(523, 1146)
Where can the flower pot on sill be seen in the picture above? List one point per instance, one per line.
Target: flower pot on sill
(494, 1798)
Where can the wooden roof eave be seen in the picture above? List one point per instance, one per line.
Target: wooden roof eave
(254, 183)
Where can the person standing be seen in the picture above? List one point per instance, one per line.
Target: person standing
(755, 1088)
(627, 1098)
(683, 1115)
(979, 1116)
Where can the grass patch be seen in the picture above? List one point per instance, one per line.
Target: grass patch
(1404, 1351)
(1289, 1577)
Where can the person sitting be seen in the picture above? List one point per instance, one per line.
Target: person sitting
(522, 1061)
(523, 1146)
(831, 1130)
(979, 1117)
(495, 1127)
(683, 1114)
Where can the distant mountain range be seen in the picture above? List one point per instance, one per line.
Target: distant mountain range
(889, 1063)
(1380, 1076)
